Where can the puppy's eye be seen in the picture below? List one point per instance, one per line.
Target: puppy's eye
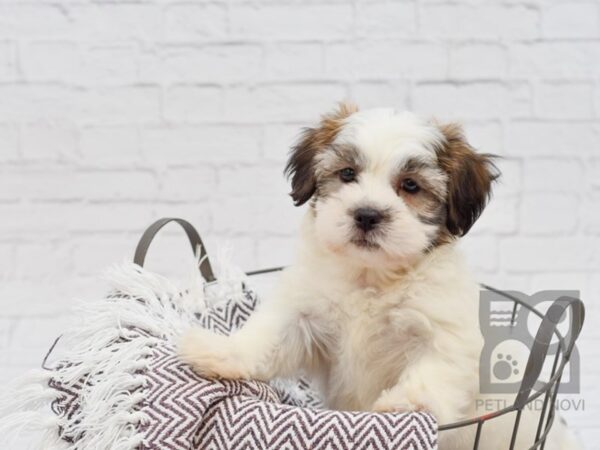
(409, 185)
(347, 175)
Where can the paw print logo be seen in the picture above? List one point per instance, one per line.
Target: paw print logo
(505, 366)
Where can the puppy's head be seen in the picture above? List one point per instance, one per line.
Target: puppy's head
(386, 186)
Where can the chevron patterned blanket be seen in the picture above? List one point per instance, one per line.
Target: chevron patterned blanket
(119, 384)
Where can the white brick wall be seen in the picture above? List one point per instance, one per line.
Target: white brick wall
(113, 114)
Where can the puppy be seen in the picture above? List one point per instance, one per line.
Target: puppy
(379, 307)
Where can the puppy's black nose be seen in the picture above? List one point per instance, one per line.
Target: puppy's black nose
(367, 218)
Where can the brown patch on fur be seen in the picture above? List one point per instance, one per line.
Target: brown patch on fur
(426, 204)
(300, 166)
(429, 202)
(327, 168)
(470, 177)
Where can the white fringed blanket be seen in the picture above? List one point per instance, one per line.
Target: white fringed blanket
(120, 385)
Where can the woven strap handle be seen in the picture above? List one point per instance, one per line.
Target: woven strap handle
(195, 241)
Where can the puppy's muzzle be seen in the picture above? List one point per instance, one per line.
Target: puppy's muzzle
(367, 219)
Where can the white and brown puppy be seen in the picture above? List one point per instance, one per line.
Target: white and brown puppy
(379, 306)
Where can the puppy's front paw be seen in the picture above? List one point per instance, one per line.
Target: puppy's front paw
(395, 400)
(211, 355)
(385, 404)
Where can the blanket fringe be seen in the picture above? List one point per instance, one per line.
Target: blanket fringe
(110, 384)
(13, 426)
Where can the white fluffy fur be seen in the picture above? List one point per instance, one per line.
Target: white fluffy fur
(388, 329)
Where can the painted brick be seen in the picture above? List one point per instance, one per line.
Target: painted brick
(481, 253)
(294, 61)
(58, 103)
(510, 182)
(278, 140)
(5, 329)
(375, 94)
(50, 184)
(69, 184)
(117, 145)
(38, 103)
(386, 59)
(111, 185)
(386, 19)
(117, 21)
(116, 105)
(109, 217)
(36, 296)
(488, 21)
(282, 102)
(266, 215)
(70, 62)
(25, 220)
(8, 63)
(236, 181)
(571, 20)
(486, 137)
(42, 260)
(7, 255)
(476, 100)
(591, 214)
(60, 218)
(546, 254)
(92, 255)
(44, 141)
(555, 60)
(28, 346)
(551, 175)
(216, 64)
(593, 174)
(478, 61)
(9, 142)
(561, 281)
(185, 145)
(500, 217)
(52, 61)
(540, 138)
(33, 21)
(564, 100)
(545, 213)
(111, 64)
(291, 21)
(187, 184)
(193, 103)
(190, 21)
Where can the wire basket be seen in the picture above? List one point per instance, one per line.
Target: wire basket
(537, 356)
(526, 395)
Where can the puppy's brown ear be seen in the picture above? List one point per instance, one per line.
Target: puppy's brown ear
(301, 164)
(470, 178)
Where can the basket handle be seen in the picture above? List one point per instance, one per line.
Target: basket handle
(543, 338)
(193, 236)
